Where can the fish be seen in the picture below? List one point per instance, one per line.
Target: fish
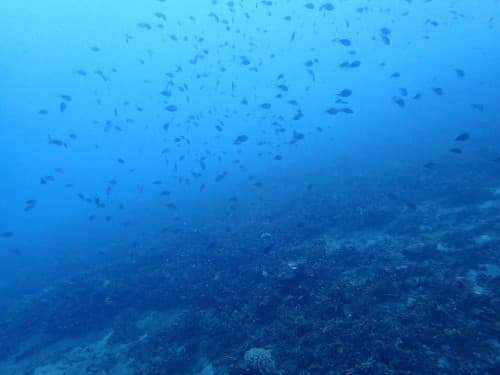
(345, 93)
(456, 150)
(344, 42)
(462, 137)
(30, 204)
(65, 97)
(7, 234)
(438, 90)
(346, 110)
(57, 142)
(385, 39)
(144, 25)
(399, 101)
(161, 16)
(385, 31)
(244, 60)
(220, 177)
(296, 137)
(240, 139)
(327, 6)
(332, 111)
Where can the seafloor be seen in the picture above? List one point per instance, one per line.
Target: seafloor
(414, 290)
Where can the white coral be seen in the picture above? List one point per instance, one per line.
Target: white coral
(259, 359)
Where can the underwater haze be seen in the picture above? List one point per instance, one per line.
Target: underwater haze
(250, 187)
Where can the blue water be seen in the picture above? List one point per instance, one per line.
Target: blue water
(293, 177)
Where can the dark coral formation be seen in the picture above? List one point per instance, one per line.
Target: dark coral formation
(417, 295)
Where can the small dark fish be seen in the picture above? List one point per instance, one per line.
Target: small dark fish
(386, 40)
(438, 90)
(345, 42)
(57, 142)
(244, 60)
(332, 111)
(345, 93)
(30, 204)
(240, 139)
(327, 6)
(459, 72)
(171, 108)
(43, 112)
(144, 25)
(296, 137)
(220, 177)
(456, 150)
(462, 137)
(399, 101)
(309, 6)
(298, 115)
(265, 106)
(15, 251)
(65, 97)
(62, 106)
(346, 110)
(7, 234)
(121, 161)
(429, 165)
(161, 16)
(385, 31)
